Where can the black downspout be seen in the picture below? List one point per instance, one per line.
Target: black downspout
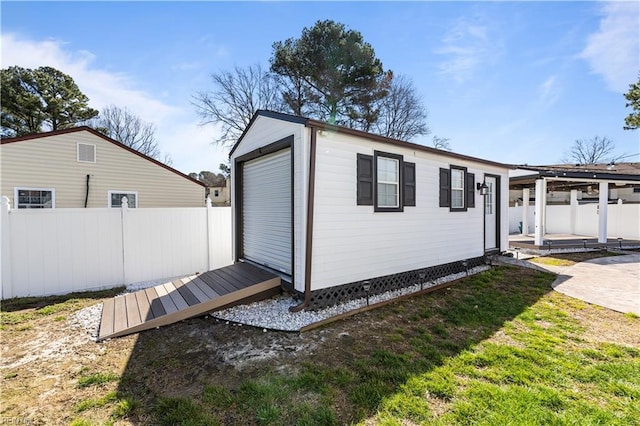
(86, 195)
(309, 236)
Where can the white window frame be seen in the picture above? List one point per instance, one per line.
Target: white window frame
(95, 152)
(398, 160)
(28, 188)
(124, 194)
(461, 189)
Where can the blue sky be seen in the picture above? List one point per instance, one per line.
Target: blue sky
(516, 82)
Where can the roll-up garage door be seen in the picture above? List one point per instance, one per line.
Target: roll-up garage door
(267, 209)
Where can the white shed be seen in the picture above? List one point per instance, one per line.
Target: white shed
(332, 209)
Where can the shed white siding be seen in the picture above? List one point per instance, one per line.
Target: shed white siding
(353, 243)
(263, 132)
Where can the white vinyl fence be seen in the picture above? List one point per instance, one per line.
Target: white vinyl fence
(623, 220)
(57, 251)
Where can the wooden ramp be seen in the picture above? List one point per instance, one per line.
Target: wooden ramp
(186, 298)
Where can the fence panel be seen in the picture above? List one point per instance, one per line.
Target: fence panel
(57, 251)
(63, 250)
(164, 243)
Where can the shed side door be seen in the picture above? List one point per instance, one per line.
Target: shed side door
(267, 211)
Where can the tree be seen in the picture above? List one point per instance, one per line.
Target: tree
(333, 72)
(441, 143)
(592, 151)
(44, 98)
(130, 130)
(226, 170)
(401, 113)
(236, 96)
(209, 178)
(632, 121)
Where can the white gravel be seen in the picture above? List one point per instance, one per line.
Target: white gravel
(270, 314)
(273, 314)
(87, 319)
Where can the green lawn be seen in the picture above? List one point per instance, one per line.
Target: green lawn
(476, 354)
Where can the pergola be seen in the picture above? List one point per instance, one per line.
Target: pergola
(572, 179)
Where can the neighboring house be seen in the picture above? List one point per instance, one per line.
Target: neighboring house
(575, 199)
(81, 167)
(221, 195)
(338, 212)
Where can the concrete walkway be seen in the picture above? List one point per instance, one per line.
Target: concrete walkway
(612, 282)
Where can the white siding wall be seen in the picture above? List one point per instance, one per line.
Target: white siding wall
(266, 131)
(56, 251)
(352, 242)
(51, 162)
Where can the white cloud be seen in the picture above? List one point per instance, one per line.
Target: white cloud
(466, 47)
(549, 91)
(613, 50)
(177, 131)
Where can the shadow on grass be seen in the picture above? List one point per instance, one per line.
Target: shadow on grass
(20, 303)
(205, 372)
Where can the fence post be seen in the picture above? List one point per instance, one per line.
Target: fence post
(6, 291)
(208, 212)
(123, 219)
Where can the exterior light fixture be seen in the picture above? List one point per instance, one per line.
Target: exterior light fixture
(366, 286)
(482, 188)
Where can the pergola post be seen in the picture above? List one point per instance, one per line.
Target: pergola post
(541, 201)
(603, 198)
(525, 211)
(573, 211)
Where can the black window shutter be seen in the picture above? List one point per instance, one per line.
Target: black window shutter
(471, 190)
(409, 193)
(445, 188)
(365, 180)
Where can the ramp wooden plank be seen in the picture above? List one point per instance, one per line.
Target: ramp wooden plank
(217, 284)
(195, 290)
(106, 322)
(119, 314)
(133, 314)
(210, 292)
(254, 270)
(154, 301)
(143, 306)
(175, 296)
(230, 278)
(186, 294)
(165, 299)
(158, 306)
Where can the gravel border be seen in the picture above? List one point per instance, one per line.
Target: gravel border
(273, 313)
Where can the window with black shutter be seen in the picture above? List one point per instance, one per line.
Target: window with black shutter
(457, 189)
(385, 181)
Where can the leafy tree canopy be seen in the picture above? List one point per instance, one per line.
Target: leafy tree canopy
(40, 99)
(632, 121)
(336, 71)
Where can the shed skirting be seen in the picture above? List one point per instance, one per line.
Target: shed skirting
(331, 296)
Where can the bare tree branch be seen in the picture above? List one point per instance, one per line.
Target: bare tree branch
(592, 151)
(235, 97)
(441, 143)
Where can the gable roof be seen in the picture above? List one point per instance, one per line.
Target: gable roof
(321, 125)
(94, 132)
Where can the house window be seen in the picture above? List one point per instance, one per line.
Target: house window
(385, 181)
(388, 182)
(216, 193)
(86, 153)
(457, 189)
(34, 198)
(115, 198)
